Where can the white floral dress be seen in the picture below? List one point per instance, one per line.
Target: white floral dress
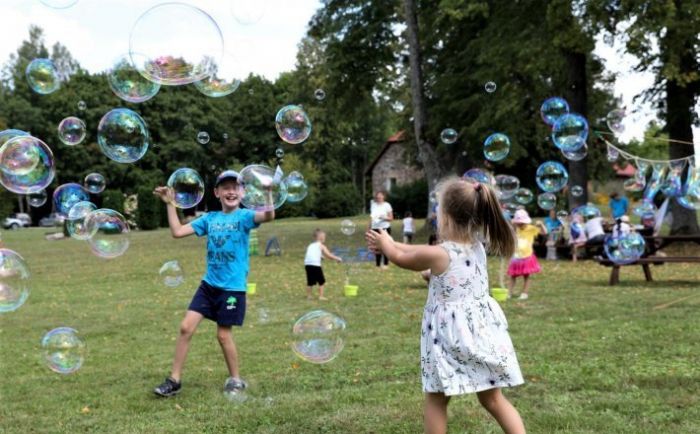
(465, 346)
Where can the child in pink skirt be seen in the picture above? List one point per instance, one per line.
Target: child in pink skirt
(524, 262)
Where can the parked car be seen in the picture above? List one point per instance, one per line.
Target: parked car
(51, 220)
(17, 220)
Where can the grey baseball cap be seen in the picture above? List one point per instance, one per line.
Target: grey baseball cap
(227, 174)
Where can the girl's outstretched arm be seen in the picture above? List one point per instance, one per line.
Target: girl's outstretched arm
(416, 258)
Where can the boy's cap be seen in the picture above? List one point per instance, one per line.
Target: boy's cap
(227, 174)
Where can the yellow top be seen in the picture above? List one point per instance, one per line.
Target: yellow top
(525, 237)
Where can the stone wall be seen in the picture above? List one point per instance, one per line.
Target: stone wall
(394, 164)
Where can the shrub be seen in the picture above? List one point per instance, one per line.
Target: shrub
(338, 200)
(150, 210)
(410, 197)
(113, 199)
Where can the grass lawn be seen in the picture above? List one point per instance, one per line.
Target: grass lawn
(596, 359)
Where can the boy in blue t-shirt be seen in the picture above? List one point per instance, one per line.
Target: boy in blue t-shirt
(221, 296)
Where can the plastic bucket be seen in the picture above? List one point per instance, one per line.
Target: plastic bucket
(252, 287)
(499, 294)
(351, 290)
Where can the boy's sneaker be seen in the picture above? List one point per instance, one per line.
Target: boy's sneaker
(169, 387)
(234, 385)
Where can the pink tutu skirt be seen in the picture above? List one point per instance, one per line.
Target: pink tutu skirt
(524, 267)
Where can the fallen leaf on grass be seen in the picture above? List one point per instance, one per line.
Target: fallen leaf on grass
(85, 410)
(295, 365)
(178, 407)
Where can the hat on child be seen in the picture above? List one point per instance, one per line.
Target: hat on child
(521, 216)
(227, 174)
(625, 219)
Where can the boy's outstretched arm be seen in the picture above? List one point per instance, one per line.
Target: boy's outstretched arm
(177, 229)
(328, 254)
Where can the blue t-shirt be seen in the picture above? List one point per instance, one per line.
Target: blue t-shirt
(552, 223)
(618, 207)
(227, 247)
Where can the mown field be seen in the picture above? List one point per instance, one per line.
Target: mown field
(596, 359)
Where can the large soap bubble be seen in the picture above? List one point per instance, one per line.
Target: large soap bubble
(42, 76)
(261, 181)
(479, 175)
(127, 82)
(496, 147)
(318, 336)
(625, 248)
(171, 274)
(552, 109)
(570, 132)
(547, 201)
(347, 227)
(506, 186)
(67, 195)
(26, 165)
(224, 80)
(551, 176)
(64, 351)
(109, 233)
(175, 44)
(293, 125)
(72, 131)
(95, 183)
(576, 155)
(123, 135)
(187, 187)
(14, 281)
(615, 121)
(296, 187)
(7, 135)
(587, 211)
(523, 196)
(75, 222)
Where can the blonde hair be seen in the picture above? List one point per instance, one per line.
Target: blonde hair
(466, 207)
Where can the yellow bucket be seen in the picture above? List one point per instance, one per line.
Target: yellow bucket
(251, 288)
(499, 294)
(351, 290)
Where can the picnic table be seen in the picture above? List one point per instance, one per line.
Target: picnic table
(654, 244)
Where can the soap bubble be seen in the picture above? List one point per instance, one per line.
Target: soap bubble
(75, 221)
(67, 195)
(615, 121)
(552, 109)
(296, 187)
(506, 186)
(64, 351)
(509, 210)
(587, 211)
(496, 147)
(551, 176)
(7, 135)
(318, 336)
(293, 125)
(14, 281)
(479, 175)
(109, 233)
(347, 227)
(187, 187)
(612, 154)
(644, 207)
(95, 183)
(203, 137)
(576, 155)
(320, 94)
(42, 76)
(570, 132)
(224, 80)
(547, 201)
(279, 153)
(175, 44)
(490, 87)
(59, 4)
(577, 191)
(71, 131)
(448, 136)
(123, 135)
(37, 199)
(127, 82)
(26, 164)
(248, 12)
(171, 274)
(523, 196)
(625, 248)
(82, 106)
(258, 179)
(562, 214)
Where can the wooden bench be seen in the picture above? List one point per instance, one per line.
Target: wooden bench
(644, 262)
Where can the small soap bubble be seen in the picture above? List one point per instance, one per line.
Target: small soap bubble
(320, 94)
(318, 336)
(109, 233)
(506, 186)
(171, 274)
(67, 195)
(449, 136)
(551, 176)
(523, 196)
(82, 106)
(490, 87)
(292, 124)
(72, 131)
(496, 147)
(570, 132)
(615, 121)
(203, 137)
(75, 221)
(187, 188)
(577, 191)
(14, 281)
(552, 109)
(95, 183)
(347, 227)
(547, 201)
(42, 76)
(296, 187)
(279, 153)
(123, 135)
(260, 183)
(64, 351)
(37, 199)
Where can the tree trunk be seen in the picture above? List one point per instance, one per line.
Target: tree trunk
(577, 97)
(426, 152)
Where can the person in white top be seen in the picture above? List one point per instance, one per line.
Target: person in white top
(594, 231)
(408, 228)
(381, 215)
(315, 253)
(622, 226)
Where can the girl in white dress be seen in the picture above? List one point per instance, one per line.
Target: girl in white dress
(465, 346)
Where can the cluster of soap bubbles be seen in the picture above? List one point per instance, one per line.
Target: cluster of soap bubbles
(318, 336)
(624, 248)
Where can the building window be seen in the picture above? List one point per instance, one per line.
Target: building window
(390, 184)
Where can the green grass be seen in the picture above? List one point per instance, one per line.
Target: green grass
(596, 359)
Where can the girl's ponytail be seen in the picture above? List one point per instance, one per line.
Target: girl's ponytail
(489, 216)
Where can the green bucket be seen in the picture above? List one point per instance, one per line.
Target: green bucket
(499, 294)
(351, 290)
(252, 287)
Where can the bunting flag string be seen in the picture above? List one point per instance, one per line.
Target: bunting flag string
(616, 150)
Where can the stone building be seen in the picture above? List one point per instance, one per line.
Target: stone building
(393, 166)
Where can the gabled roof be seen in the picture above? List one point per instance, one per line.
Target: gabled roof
(396, 138)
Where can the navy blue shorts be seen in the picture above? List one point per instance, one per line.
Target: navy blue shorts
(226, 308)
